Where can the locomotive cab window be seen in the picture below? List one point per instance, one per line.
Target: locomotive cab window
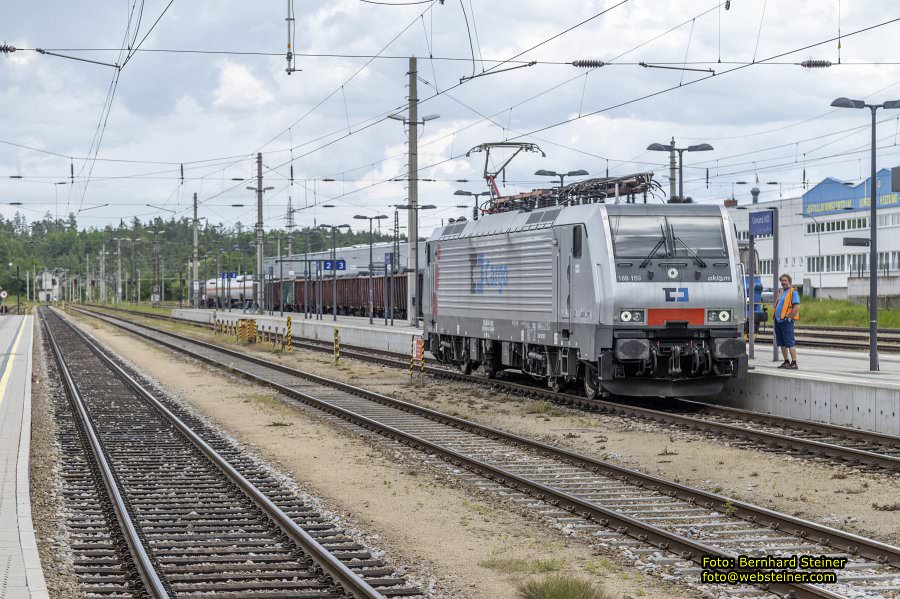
(703, 236)
(576, 241)
(638, 236)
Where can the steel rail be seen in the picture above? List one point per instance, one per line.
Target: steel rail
(812, 446)
(339, 572)
(889, 462)
(142, 561)
(840, 540)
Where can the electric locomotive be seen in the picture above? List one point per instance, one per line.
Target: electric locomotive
(581, 285)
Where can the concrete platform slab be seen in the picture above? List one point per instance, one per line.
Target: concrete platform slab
(355, 331)
(831, 386)
(20, 566)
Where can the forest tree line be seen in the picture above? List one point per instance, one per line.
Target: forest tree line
(60, 245)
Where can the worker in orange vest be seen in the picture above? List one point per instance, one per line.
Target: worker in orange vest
(787, 311)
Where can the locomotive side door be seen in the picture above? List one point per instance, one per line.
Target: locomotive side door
(564, 279)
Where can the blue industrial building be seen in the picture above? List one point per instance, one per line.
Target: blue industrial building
(813, 228)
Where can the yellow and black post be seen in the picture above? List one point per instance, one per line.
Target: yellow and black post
(337, 346)
(288, 340)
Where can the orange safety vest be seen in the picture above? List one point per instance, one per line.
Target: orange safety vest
(788, 303)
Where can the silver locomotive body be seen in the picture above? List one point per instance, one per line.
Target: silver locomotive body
(628, 299)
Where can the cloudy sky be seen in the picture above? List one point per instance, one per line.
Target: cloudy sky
(125, 133)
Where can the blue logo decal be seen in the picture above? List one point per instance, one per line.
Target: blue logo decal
(488, 274)
(676, 294)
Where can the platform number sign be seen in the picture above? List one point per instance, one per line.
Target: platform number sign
(334, 264)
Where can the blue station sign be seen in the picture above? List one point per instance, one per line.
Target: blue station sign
(334, 264)
(762, 222)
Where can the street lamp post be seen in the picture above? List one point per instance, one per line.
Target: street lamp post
(818, 242)
(334, 229)
(413, 122)
(475, 196)
(260, 276)
(154, 299)
(371, 219)
(562, 177)
(873, 227)
(670, 147)
(414, 244)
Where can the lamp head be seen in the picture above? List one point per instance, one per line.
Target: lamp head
(360, 217)
(700, 148)
(545, 173)
(396, 117)
(426, 207)
(848, 103)
(463, 192)
(655, 147)
(891, 104)
(579, 173)
(430, 117)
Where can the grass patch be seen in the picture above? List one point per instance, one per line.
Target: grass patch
(522, 566)
(558, 586)
(542, 407)
(842, 313)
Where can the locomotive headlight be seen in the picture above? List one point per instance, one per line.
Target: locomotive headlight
(718, 315)
(635, 316)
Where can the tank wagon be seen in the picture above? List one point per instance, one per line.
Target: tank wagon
(623, 298)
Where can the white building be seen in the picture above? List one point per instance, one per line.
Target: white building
(46, 287)
(812, 231)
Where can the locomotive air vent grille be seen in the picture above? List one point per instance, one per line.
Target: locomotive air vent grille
(453, 229)
(544, 216)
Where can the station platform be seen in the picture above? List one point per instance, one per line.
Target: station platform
(21, 576)
(355, 331)
(834, 387)
(830, 386)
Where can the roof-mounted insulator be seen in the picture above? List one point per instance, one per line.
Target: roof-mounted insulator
(588, 63)
(815, 64)
(7, 49)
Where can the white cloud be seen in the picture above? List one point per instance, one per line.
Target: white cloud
(239, 88)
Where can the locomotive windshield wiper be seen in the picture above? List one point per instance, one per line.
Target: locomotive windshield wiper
(693, 254)
(659, 244)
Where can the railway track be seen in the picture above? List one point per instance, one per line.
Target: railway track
(180, 512)
(685, 523)
(771, 433)
(839, 338)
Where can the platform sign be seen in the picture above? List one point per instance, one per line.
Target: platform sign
(761, 223)
(389, 259)
(856, 241)
(334, 264)
(229, 275)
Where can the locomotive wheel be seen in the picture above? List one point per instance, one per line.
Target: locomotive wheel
(591, 382)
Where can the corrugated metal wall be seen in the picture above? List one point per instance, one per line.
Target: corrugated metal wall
(513, 273)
